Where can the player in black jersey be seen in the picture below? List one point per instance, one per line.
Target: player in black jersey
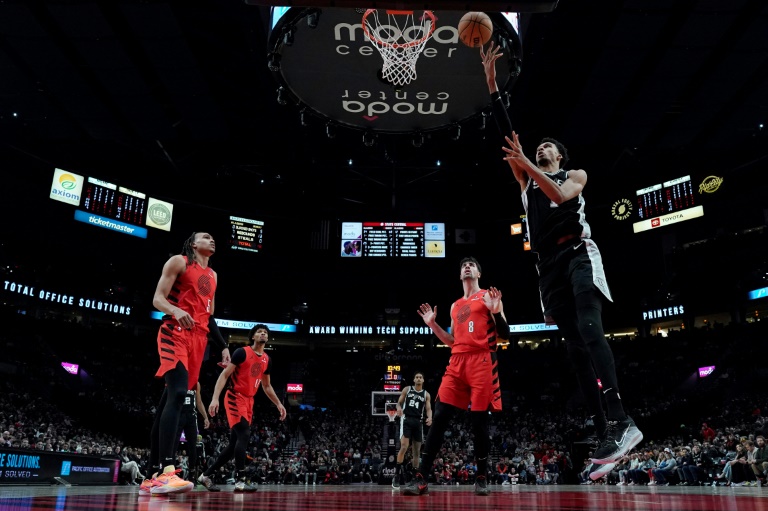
(571, 277)
(188, 424)
(413, 403)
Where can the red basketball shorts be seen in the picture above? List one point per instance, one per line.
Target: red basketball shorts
(472, 380)
(185, 346)
(238, 406)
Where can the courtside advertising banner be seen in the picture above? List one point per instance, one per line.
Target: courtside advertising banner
(27, 466)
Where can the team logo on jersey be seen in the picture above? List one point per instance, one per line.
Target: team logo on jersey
(204, 285)
(621, 209)
(463, 314)
(257, 369)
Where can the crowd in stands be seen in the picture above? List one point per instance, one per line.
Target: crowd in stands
(697, 431)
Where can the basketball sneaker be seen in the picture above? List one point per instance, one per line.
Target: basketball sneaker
(620, 438)
(146, 487)
(169, 482)
(245, 486)
(416, 486)
(396, 482)
(208, 483)
(481, 486)
(597, 471)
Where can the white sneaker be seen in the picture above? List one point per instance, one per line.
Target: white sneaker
(620, 483)
(598, 471)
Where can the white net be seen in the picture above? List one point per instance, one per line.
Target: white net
(400, 41)
(391, 409)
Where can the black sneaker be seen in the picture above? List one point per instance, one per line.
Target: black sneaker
(481, 486)
(208, 483)
(396, 482)
(417, 486)
(620, 438)
(245, 486)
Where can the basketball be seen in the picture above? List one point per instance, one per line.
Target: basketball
(475, 29)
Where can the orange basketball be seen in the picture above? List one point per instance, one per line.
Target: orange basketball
(475, 29)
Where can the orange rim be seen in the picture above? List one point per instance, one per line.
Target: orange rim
(417, 42)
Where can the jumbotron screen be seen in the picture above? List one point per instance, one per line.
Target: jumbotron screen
(393, 239)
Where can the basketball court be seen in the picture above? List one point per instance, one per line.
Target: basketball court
(370, 497)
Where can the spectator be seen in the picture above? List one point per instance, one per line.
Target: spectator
(760, 461)
(631, 463)
(707, 434)
(695, 473)
(666, 469)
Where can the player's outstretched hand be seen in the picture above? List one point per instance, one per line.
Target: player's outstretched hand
(489, 61)
(282, 411)
(492, 300)
(428, 314)
(213, 408)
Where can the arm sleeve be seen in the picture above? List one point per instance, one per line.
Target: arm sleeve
(500, 115)
(214, 334)
(502, 328)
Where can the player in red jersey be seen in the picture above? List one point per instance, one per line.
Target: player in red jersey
(471, 379)
(249, 368)
(185, 293)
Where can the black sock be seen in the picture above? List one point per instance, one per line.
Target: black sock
(615, 410)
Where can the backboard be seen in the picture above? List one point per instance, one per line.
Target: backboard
(326, 66)
(379, 400)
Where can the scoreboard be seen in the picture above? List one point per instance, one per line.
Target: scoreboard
(393, 239)
(115, 202)
(393, 378)
(246, 234)
(666, 204)
(659, 200)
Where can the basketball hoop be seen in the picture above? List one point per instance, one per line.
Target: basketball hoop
(400, 41)
(391, 409)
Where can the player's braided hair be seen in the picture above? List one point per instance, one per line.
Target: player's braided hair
(187, 249)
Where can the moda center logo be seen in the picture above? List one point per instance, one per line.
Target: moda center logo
(336, 72)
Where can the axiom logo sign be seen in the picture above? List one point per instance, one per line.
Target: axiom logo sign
(66, 187)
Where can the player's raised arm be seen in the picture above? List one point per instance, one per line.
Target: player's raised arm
(429, 315)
